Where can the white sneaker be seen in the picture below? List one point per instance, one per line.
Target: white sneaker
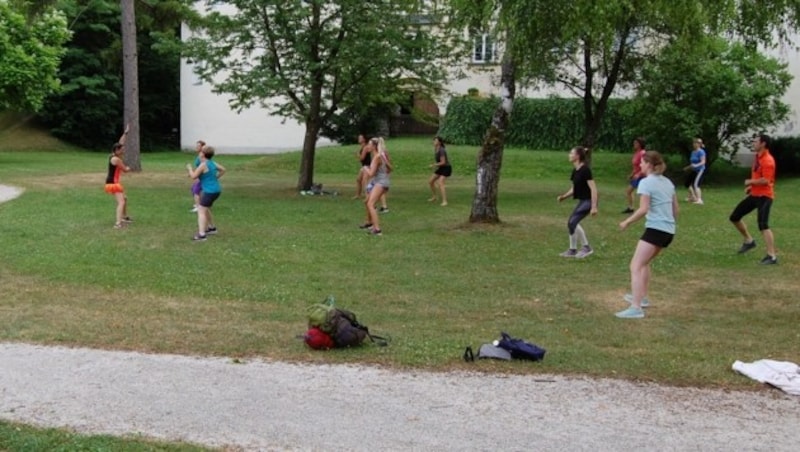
(194, 209)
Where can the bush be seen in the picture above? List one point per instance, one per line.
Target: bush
(552, 123)
(786, 151)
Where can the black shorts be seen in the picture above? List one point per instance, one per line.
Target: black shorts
(207, 199)
(445, 171)
(762, 203)
(658, 238)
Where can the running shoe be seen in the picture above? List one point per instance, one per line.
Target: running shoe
(569, 253)
(769, 260)
(747, 247)
(365, 226)
(211, 230)
(631, 313)
(627, 210)
(383, 210)
(585, 251)
(199, 238)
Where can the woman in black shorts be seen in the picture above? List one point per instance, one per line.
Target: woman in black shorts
(658, 204)
(442, 172)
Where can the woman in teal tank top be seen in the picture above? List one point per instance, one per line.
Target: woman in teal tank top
(208, 173)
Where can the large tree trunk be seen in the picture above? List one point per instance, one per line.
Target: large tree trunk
(309, 150)
(313, 125)
(130, 69)
(490, 157)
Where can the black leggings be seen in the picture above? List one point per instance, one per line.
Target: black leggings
(751, 203)
(581, 210)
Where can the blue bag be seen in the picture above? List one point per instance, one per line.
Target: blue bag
(520, 349)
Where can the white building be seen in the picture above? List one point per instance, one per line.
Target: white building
(207, 116)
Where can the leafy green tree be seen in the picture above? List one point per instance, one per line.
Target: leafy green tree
(31, 47)
(308, 59)
(596, 48)
(712, 89)
(88, 109)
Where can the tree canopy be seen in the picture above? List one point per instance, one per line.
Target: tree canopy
(712, 89)
(31, 47)
(309, 59)
(88, 108)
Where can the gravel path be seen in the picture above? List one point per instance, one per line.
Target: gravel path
(260, 405)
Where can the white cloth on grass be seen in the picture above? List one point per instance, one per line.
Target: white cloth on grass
(783, 375)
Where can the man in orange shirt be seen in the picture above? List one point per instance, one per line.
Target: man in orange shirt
(760, 193)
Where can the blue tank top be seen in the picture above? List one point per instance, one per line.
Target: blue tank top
(208, 180)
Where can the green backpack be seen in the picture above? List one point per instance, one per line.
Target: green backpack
(340, 324)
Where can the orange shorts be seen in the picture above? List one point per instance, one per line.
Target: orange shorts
(112, 189)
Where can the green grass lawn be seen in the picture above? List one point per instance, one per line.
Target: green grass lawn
(432, 282)
(16, 437)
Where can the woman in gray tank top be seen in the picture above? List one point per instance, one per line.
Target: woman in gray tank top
(379, 170)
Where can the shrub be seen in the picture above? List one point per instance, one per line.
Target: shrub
(786, 151)
(552, 123)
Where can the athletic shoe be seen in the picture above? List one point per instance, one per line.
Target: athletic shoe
(127, 220)
(193, 209)
(211, 230)
(119, 226)
(383, 210)
(769, 260)
(199, 238)
(629, 298)
(699, 202)
(365, 226)
(585, 251)
(630, 313)
(569, 253)
(689, 199)
(747, 247)
(628, 210)
(374, 231)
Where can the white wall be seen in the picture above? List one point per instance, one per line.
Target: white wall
(206, 116)
(792, 97)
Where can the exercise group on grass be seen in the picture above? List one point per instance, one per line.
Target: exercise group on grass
(658, 202)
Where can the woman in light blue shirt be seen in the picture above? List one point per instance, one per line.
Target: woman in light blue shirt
(659, 205)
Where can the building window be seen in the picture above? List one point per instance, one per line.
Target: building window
(483, 49)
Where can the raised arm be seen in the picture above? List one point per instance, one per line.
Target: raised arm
(124, 135)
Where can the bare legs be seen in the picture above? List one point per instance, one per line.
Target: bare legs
(360, 179)
(439, 180)
(640, 270)
(373, 197)
(629, 196)
(122, 208)
(204, 219)
(742, 228)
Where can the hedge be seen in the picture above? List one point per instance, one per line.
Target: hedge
(786, 151)
(552, 123)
